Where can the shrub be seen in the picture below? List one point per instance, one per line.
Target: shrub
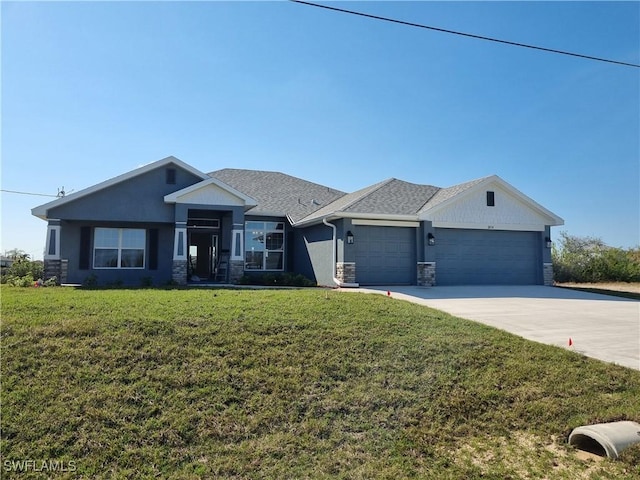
(91, 281)
(23, 272)
(23, 267)
(277, 279)
(589, 259)
(24, 281)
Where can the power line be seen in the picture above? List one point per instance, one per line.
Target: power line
(28, 193)
(470, 35)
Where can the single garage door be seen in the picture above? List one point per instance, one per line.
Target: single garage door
(487, 257)
(385, 255)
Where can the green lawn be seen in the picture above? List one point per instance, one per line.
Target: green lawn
(290, 384)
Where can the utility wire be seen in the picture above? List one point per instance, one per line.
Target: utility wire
(27, 193)
(470, 35)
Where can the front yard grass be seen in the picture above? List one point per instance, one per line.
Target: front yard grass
(290, 384)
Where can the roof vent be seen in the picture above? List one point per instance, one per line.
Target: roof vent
(315, 202)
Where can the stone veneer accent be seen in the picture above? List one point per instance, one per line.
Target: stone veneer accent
(56, 268)
(346, 272)
(236, 270)
(547, 273)
(179, 272)
(426, 274)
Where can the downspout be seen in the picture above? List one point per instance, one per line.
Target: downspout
(334, 242)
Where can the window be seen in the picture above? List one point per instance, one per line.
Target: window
(119, 248)
(264, 246)
(491, 199)
(171, 176)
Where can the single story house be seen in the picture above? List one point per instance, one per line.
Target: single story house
(168, 221)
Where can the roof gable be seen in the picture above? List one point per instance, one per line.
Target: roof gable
(465, 206)
(445, 194)
(41, 210)
(210, 192)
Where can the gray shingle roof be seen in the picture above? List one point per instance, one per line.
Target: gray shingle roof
(390, 197)
(279, 194)
(282, 195)
(344, 202)
(446, 193)
(394, 197)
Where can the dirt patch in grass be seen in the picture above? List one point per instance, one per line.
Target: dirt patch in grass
(524, 455)
(614, 286)
(622, 289)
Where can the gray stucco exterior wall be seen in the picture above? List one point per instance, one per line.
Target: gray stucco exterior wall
(313, 252)
(138, 199)
(134, 203)
(70, 250)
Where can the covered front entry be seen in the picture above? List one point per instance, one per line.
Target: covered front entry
(207, 258)
(385, 255)
(203, 255)
(487, 257)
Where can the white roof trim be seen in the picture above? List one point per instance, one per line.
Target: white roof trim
(498, 226)
(384, 223)
(364, 216)
(41, 211)
(494, 179)
(175, 196)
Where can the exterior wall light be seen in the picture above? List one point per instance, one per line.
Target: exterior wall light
(548, 242)
(350, 238)
(431, 240)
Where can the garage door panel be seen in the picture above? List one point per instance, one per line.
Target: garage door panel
(385, 255)
(476, 257)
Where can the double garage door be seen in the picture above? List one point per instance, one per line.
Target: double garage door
(387, 256)
(487, 257)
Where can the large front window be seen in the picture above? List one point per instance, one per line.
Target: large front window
(264, 246)
(119, 248)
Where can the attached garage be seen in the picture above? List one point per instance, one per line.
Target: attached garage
(487, 257)
(385, 255)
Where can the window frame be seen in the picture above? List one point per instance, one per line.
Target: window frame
(170, 176)
(265, 229)
(120, 248)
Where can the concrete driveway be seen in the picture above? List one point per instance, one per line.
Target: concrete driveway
(600, 326)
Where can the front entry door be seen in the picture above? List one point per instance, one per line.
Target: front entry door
(203, 252)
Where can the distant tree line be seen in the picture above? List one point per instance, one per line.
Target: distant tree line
(589, 259)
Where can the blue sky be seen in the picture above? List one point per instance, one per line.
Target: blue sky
(92, 90)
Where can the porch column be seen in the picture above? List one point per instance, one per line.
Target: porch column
(547, 263)
(179, 270)
(547, 274)
(236, 262)
(54, 266)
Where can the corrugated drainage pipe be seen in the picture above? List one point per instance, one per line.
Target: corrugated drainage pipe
(605, 439)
